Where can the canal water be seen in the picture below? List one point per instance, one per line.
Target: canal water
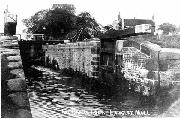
(53, 95)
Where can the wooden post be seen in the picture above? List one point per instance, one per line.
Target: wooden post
(158, 88)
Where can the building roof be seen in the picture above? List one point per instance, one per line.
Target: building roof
(133, 22)
(115, 34)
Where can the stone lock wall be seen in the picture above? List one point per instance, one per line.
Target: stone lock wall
(146, 64)
(169, 66)
(14, 96)
(134, 70)
(79, 56)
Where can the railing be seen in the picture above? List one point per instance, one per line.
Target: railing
(33, 37)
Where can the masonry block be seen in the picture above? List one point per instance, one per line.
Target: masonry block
(18, 84)
(14, 58)
(163, 65)
(20, 99)
(23, 113)
(18, 72)
(14, 65)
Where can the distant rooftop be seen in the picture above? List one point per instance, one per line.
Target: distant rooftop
(133, 22)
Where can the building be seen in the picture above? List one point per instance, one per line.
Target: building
(10, 22)
(140, 25)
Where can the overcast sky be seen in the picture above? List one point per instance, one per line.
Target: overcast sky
(104, 11)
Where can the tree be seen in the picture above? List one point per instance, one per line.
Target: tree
(89, 24)
(55, 22)
(86, 27)
(35, 22)
(167, 28)
(61, 22)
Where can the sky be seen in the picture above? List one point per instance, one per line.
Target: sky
(104, 11)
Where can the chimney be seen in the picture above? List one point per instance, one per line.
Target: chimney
(119, 17)
(153, 28)
(153, 17)
(121, 20)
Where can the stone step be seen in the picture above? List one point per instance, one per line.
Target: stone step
(14, 58)
(15, 65)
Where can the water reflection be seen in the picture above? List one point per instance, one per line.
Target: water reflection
(53, 95)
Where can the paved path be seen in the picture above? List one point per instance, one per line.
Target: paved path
(173, 111)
